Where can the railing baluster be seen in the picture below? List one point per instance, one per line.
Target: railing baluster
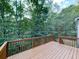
(72, 39)
(27, 43)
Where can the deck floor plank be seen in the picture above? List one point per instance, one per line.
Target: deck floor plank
(63, 53)
(77, 53)
(45, 54)
(51, 50)
(68, 53)
(58, 53)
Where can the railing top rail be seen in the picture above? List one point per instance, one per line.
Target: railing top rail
(29, 38)
(68, 37)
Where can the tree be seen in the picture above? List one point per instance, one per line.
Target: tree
(5, 10)
(64, 21)
(39, 15)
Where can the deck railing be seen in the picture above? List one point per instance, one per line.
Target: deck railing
(3, 51)
(26, 43)
(72, 40)
(17, 46)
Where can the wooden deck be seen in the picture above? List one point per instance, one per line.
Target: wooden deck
(51, 50)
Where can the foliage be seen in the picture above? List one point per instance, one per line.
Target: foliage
(64, 22)
(15, 23)
(39, 15)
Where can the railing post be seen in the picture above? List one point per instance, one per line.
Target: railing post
(3, 51)
(7, 49)
(60, 40)
(52, 38)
